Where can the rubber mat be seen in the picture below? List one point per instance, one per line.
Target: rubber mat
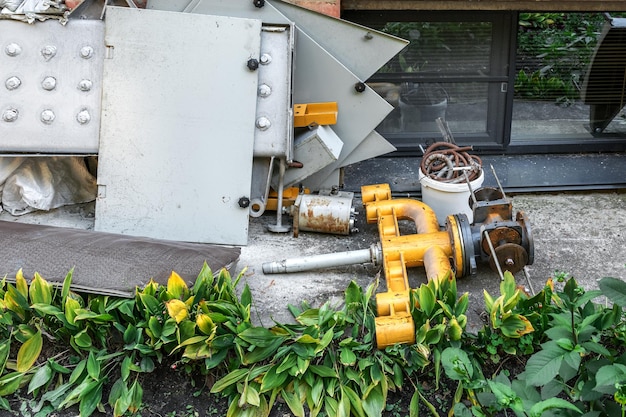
(104, 263)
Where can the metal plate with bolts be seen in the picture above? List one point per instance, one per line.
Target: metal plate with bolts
(51, 86)
(166, 142)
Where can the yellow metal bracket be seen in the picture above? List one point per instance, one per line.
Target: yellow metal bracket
(313, 114)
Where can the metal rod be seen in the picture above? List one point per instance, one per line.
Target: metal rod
(469, 185)
(495, 257)
(530, 285)
(497, 180)
(328, 260)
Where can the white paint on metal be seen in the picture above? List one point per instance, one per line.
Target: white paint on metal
(178, 119)
(40, 68)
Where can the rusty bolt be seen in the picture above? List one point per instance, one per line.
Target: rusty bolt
(244, 202)
(258, 3)
(359, 87)
(253, 64)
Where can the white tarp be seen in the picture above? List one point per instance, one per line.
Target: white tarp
(30, 184)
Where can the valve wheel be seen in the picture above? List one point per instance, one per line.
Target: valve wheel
(510, 256)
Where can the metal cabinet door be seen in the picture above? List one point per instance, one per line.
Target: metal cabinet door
(178, 119)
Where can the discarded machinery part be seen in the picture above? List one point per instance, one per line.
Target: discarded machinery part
(48, 116)
(83, 117)
(494, 255)
(445, 130)
(501, 235)
(497, 180)
(258, 3)
(443, 158)
(13, 49)
(321, 213)
(328, 260)
(257, 207)
(463, 254)
(10, 115)
(313, 114)
(49, 83)
(527, 238)
(359, 87)
(509, 257)
(279, 227)
(252, 64)
(243, 202)
(13, 83)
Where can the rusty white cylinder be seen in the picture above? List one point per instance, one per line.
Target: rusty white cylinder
(325, 213)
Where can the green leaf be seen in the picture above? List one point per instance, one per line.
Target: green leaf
(230, 378)
(614, 289)
(374, 402)
(90, 398)
(427, 299)
(323, 371)
(152, 304)
(544, 365)
(10, 382)
(456, 364)
(67, 282)
(347, 356)
(538, 409)
(259, 336)
(136, 397)
(93, 366)
(355, 401)
(29, 352)
(414, 406)
(5, 349)
(40, 378)
(82, 339)
(272, 379)
(293, 402)
(246, 296)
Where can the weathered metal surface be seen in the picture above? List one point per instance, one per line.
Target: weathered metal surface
(51, 86)
(324, 213)
(173, 164)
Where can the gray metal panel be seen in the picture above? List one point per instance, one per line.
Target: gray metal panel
(320, 77)
(274, 110)
(374, 145)
(234, 8)
(361, 49)
(51, 86)
(178, 120)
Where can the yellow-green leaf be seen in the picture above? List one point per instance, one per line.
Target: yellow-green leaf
(9, 383)
(71, 309)
(177, 310)
(21, 284)
(29, 352)
(205, 324)
(177, 287)
(40, 290)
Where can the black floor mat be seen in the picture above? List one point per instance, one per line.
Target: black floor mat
(104, 263)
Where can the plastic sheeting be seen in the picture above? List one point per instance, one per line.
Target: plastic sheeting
(30, 184)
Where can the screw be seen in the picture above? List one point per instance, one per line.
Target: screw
(49, 83)
(244, 202)
(266, 59)
(10, 115)
(13, 49)
(47, 116)
(48, 52)
(509, 262)
(253, 64)
(265, 90)
(258, 3)
(263, 123)
(359, 87)
(13, 83)
(83, 117)
(86, 52)
(85, 85)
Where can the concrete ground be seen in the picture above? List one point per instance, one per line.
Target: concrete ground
(581, 234)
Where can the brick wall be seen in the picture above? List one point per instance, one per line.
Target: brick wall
(329, 7)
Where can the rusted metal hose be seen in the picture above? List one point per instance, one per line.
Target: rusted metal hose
(446, 162)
